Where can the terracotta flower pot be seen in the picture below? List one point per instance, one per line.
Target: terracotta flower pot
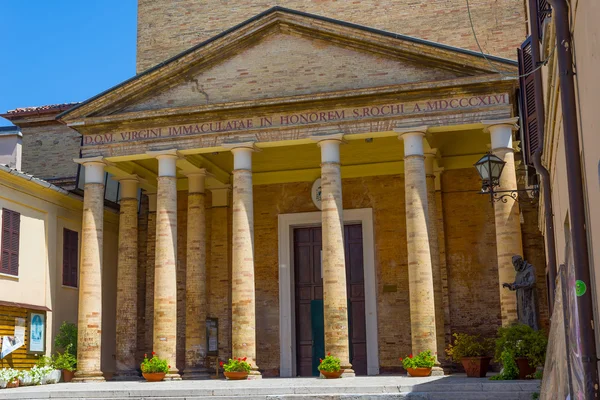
(236, 376)
(524, 368)
(13, 384)
(476, 367)
(153, 376)
(419, 372)
(332, 375)
(67, 376)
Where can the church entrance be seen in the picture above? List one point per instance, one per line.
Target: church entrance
(310, 331)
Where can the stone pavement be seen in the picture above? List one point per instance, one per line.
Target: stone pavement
(454, 387)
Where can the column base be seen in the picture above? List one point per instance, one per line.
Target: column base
(254, 374)
(195, 373)
(132, 375)
(88, 376)
(172, 377)
(348, 373)
(437, 371)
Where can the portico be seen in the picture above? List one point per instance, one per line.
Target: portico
(230, 178)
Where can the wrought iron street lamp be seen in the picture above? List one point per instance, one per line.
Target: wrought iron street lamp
(490, 169)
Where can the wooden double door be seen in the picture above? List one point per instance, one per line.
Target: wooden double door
(310, 332)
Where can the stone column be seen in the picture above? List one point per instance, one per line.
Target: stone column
(434, 248)
(165, 273)
(507, 216)
(335, 296)
(150, 266)
(420, 272)
(89, 321)
(243, 301)
(195, 283)
(126, 338)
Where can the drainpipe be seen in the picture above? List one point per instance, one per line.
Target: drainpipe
(576, 200)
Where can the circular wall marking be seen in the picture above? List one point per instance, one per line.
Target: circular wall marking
(580, 288)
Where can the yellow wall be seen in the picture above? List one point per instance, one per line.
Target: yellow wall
(44, 214)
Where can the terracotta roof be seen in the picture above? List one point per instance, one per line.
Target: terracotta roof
(42, 109)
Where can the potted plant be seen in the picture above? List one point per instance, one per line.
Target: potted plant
(473, 352)
(419, 365)
(67, 338)
(330, 367)
(236, 369)
(155, 368)
(9, 377)
(525, 345)
(67, 363)
(53, 374)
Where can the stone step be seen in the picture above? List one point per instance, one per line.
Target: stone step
(376, 388)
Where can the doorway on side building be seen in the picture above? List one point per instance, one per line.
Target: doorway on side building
(310, 331)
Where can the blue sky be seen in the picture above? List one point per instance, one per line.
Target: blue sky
(63, 51)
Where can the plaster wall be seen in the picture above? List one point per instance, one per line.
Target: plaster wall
(39, 282)
(10, 151)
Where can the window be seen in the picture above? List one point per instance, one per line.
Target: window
(70, 257)
(9, 259)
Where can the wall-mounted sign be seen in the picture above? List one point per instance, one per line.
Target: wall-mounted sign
(37, 332)
(212, 336)
(315, 193)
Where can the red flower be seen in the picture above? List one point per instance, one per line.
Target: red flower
(239, 359)
(244, 359)
(400, 358)
(320, 360)
(145, 355)
(410, 356)
(169, 367)
(153, 353)
(221, 363)
(328, 354)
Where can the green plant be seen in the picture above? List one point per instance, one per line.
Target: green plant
(522, 341)
(154, 364)
(45, 361)
(329, 363)
(509, 367)
(67, 335)
(469, 346)
(236, 365)
(8, 375)
(422, 360)
(65, 360)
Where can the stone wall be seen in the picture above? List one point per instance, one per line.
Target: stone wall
(468, 242)
(166, 28)
(49, 150)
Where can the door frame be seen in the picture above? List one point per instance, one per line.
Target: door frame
(287, 314)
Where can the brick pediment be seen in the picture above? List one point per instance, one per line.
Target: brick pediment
(283, 54)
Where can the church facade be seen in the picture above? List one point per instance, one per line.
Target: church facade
(307, 187)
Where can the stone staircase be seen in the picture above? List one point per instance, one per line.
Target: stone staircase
(369, 388)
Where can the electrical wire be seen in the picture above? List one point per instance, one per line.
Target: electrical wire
(542, 64)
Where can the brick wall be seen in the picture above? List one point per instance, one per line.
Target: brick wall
(49, 150)
(470, 260)
(166, 28)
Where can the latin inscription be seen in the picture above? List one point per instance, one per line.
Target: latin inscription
(299, 119)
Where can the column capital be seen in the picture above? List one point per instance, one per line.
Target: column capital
(508, 122)
(94, 168)
(196, 181)
(413, 140)
(242, 154)
(129, 186)
(158, 154)
(249, 145)
(338, 137)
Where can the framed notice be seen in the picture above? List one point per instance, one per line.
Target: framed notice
(37, 332)
(212, 336)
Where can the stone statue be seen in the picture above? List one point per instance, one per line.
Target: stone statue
(524, 284)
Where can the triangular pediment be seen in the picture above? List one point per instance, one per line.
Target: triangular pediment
(283, 54)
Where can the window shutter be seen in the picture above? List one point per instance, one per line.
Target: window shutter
(543, 12)
(70, 253)
(531, 139)
(11, 227)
